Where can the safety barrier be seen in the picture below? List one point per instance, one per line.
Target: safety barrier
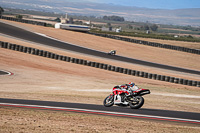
(24, 21)
(108, 67)
(153, 44)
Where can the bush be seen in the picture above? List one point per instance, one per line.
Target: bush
(113, 18)
(155, 36)
(19, 16)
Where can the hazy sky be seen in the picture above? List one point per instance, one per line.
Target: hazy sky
(163, 4)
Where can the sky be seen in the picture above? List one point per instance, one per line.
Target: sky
(157, 4)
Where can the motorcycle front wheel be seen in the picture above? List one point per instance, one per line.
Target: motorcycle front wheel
(136, 102)
(108, 101)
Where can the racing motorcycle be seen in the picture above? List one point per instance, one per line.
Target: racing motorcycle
(112, 52)
(120, 97)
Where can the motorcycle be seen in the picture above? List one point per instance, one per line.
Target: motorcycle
(112, 52)
(120, 97)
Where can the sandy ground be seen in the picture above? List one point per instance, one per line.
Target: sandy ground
(40, 78)
(47, 79)
(34, 121)
(147, 53)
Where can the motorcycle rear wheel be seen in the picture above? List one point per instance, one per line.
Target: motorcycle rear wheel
(108, 101)
(136, 103)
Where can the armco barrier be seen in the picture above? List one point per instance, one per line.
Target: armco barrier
(166, 46)
(47, 54)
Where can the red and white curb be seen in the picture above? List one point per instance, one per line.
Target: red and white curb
(8, 73)
(102, 112)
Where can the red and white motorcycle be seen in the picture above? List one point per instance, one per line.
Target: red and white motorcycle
(122, 97)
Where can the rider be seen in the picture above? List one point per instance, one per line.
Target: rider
(127, 87)
(113, 52)
(132, 86)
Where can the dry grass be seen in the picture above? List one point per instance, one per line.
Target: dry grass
(25, 120)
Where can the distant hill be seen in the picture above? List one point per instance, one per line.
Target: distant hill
(162, 16)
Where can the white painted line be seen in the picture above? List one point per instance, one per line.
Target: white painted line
(103, 112)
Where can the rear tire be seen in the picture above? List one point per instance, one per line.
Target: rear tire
(108, 101)
(137, 102)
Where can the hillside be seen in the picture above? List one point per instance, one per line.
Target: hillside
(130, 13)
(39, 78)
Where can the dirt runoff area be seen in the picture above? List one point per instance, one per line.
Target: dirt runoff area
(18, 120)
(39, 78)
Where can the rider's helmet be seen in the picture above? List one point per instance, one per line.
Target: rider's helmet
(131, 84)
(113, 51)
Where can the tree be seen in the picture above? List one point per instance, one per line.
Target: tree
(71, 20)
(57, 19)
(146, 27)
(189, 36)
(105, 17)
(1, 10)
(154, 27)
(78, 22)
(129, 26)
(19, 16)
(109, 24)
(113, 18)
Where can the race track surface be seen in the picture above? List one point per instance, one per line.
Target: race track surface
(142, 111)
(26, 35)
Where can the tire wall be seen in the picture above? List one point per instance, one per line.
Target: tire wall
(108, 67)
(153, 44)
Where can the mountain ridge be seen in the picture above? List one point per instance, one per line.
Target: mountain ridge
(188, 16)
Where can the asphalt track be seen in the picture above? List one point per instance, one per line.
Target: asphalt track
(26, 35)
(180, 116)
